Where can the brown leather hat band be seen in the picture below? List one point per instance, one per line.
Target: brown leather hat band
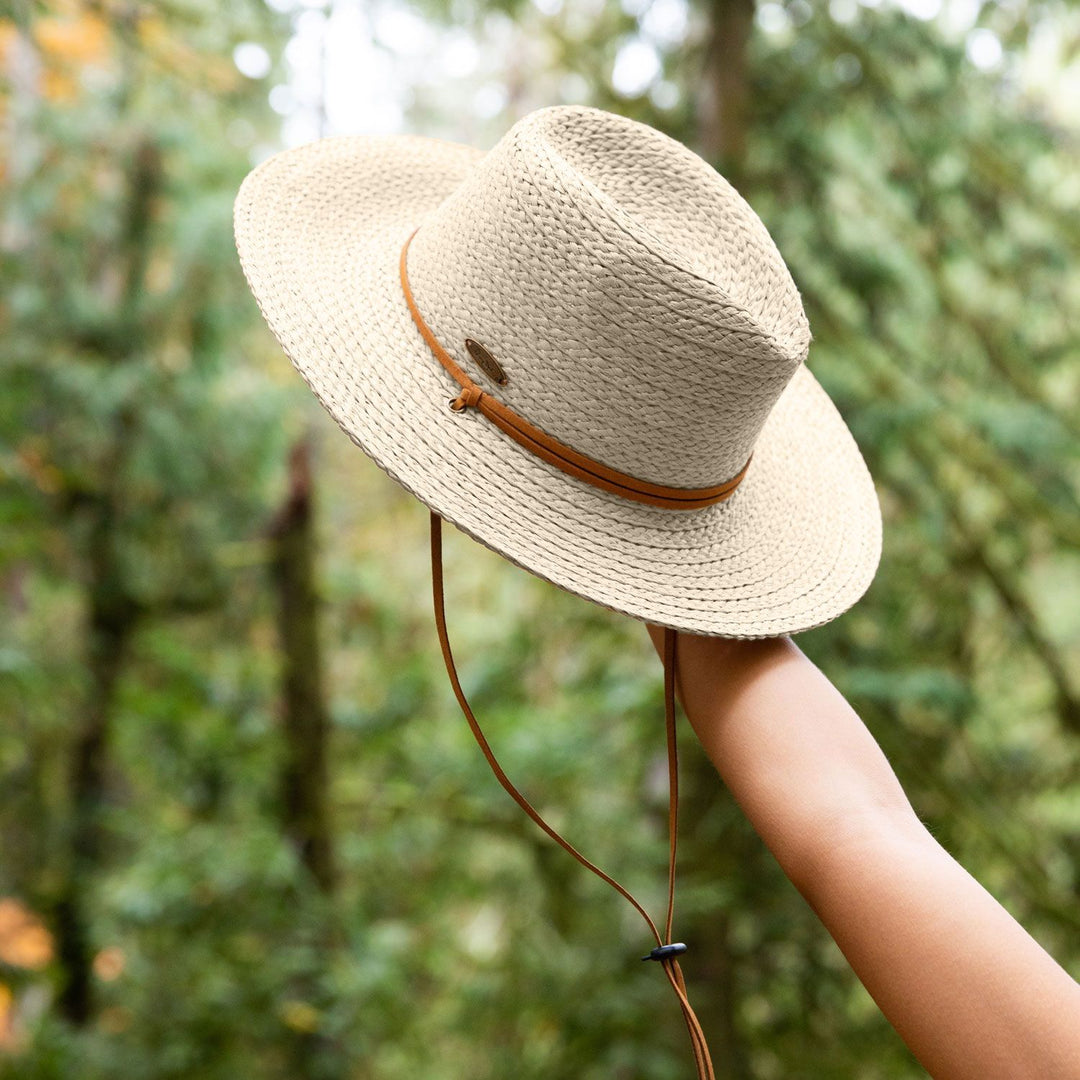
(550, 449)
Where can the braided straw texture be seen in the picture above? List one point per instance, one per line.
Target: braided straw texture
(642, 315)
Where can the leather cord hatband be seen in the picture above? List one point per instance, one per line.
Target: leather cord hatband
(550, 449)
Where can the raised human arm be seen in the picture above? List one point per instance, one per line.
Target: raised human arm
(973, 995)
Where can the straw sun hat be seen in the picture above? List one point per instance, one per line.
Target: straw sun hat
(583, 349)
(642, 316)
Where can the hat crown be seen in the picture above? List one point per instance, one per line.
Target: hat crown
(637, 305)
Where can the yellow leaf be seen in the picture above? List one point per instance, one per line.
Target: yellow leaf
(57, 86)
(81, 40)
(109, 964)
(8, 1034)
(24, 941)
(8, 34)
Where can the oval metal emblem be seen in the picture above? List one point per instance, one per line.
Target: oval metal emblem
(488, 364)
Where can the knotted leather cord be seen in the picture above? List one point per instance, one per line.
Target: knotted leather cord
(549, 448)
(670, 965)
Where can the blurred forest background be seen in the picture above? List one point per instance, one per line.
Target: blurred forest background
(244, 829)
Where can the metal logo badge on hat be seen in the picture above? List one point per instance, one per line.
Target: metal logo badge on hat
(583, 348)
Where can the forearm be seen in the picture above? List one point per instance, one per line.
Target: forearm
(973, 995)
(968, 989)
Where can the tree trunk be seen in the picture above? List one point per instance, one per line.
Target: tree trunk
(723, 91)
(112, 611)
(111, 621)
(305, 719)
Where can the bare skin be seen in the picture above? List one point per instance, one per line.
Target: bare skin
(973, 995)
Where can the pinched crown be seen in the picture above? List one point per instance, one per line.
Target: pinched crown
(636, 304)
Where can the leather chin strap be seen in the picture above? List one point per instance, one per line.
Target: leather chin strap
(666, 951)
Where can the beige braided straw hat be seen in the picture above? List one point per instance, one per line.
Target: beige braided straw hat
(583, 349)
(641, 314)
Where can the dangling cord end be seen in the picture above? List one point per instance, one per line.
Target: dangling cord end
(665, 953)
(669, 952)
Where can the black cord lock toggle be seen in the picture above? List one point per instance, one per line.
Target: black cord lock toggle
(662, 952)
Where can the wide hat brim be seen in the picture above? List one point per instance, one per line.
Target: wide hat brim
(319, 230)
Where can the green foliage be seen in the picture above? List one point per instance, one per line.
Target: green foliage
(925, 208)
